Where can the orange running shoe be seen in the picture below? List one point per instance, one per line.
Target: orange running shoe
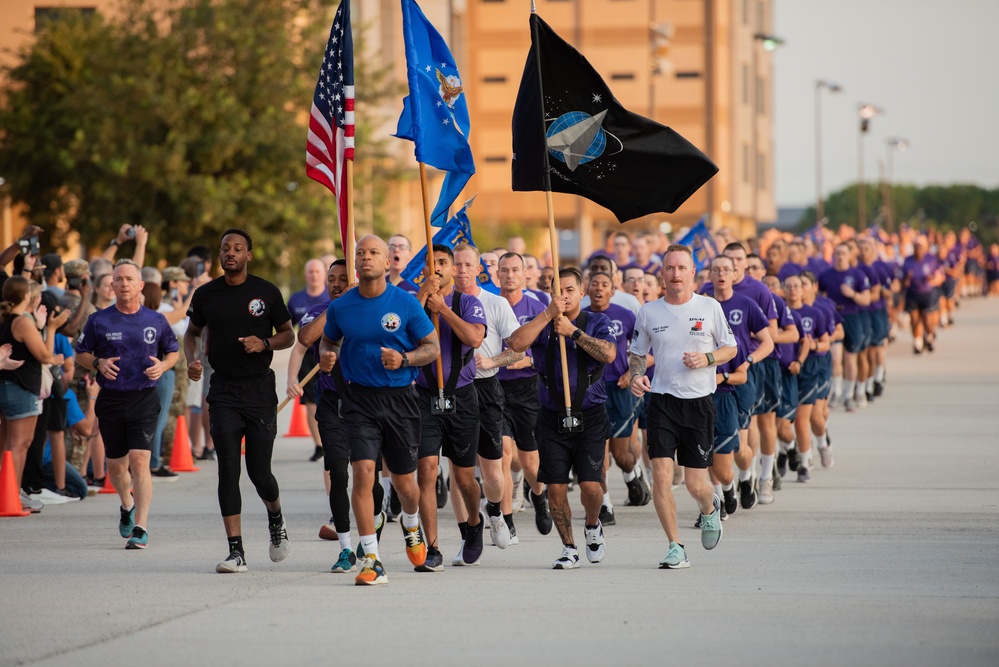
(416, 548)
(372, 573)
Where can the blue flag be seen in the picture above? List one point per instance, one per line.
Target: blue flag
(435, 113)
(699, 240)
(816, 235)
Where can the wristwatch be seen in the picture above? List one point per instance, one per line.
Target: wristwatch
(577, 334)
(724, 377)
(405, 361)
(750, 359)
(96, 362)
(710, 357)
(267, 343)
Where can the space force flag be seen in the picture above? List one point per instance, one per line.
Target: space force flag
(570, 135)
(435, 114)
(701, 245)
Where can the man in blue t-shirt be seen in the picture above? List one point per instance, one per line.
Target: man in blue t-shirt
(562, 446)
(622, 406)
(131, 347)
(381, 337)
(462, 328)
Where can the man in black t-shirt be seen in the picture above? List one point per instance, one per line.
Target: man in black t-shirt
(242, 314)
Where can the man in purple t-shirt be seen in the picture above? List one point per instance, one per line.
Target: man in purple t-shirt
(562, 445)
(921, 275)
(131, 347)
(454, 432)
(850, 290)
(621, 404)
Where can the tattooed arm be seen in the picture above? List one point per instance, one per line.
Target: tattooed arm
(505, 358)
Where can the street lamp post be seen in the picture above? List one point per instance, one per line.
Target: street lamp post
(900, 144)
(820, 212)
(769, 43)
(866, 112)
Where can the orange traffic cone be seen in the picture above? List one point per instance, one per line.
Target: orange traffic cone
(299, 427)
(108, 486)
(10, 497)
(181, 459)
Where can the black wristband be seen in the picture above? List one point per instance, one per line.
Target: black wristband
(267, 343)
(405, 361)
(96, 362)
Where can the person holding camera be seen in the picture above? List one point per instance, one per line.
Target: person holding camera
(131, 347)
(127, 233)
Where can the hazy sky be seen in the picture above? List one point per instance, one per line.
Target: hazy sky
(931, 65)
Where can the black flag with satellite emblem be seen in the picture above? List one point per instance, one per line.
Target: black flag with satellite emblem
(570, 135)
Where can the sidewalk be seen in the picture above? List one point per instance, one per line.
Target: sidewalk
(889, 558)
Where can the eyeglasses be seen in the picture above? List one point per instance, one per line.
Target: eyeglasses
(398, 246)
(719, 271)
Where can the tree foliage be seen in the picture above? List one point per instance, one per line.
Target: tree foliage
(187, 117)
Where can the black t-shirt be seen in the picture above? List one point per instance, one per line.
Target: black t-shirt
(254, 308)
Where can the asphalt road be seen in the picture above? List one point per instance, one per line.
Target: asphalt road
(889, 558)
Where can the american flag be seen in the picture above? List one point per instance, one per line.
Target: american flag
(331, 124)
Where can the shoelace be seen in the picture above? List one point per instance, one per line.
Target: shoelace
(413, 537)
(278, 533)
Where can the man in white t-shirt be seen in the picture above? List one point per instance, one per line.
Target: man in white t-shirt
(690, 334)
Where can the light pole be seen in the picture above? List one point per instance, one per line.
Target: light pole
(900, 144)
(866, 112)
(820, 212)
(770, 43)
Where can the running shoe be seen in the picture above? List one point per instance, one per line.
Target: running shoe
(518, 492)
(766, 491)
(279, 547)
(851, 405)
(542, 517)
(459, 559)
(328, 531)
(803, 475)
(747, 494)
(594, 543)
(164, 473)
(607, 517)
(929, 343)
(781, 464)
(711, 528)
(380, 521)
(569, 560)
(730, 502)
(879, 389)
(441, 488)
(127, 521)
(207, 455)
(416, 548)
(234, 563)
(638, 489)
(724, 513)
(793, 459)
(675, 559)
(433, 563)
(499, 532)
(139, 538)
(513, 534)
(775, 478)
(825, 455)
(347, 562)
(472, 549)
(317, 454)
(372, 573)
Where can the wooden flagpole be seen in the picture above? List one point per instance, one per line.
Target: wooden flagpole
(434, 317)
(348, 246)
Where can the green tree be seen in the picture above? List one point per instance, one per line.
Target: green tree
(187, 118)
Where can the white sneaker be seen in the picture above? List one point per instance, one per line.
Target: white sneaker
(499, 531)
(278, 548)
(766, 491)
(569, 560)
(51, 498)
(518, 491)
(31, 503)
(825, 455)
(459, 560)
(595, 543)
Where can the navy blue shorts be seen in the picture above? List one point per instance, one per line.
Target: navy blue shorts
(767, 385)
(879, 326)
(925, 303)
(745, 400)
(825, 377)
(855, 333)
(643, 411)
(810, 380)
(560, 453)
(947, 289)
(726, 423)
(788, 406)
(622, 410)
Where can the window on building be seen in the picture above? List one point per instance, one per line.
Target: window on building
(761, 17)
(761, 172)
(496, 158)
(745, 12)
(688, 75)
(45, 15)
(745, 163)
(494, 79)
(745, 83)
(623, 76)
(761, 98)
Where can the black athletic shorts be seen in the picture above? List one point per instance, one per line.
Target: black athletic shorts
(520, 409)
(490, 418)
(383, 422)
(457, 434)
(924, 302)
(559, 453)
(311, 388)
(332, 432)
(127, 420)
(248, 407)
(684, 426)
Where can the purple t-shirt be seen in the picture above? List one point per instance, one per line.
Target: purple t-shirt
(919, 272)
(790, 269)
(471, 311)
(299, 304)
(756, 291)
(788, 352)
(831, 282)
(543, 297)
(814, 323)
(873, 278)
(325, 381)
(652, 267)
(526, 310)
(746, 319)
(826, 305)
(405, 285)
(622, 326)
(134, 338)
(886, 275)
(551, 398)
(817, 265)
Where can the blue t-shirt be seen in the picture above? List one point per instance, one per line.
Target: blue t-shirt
(471, 311)
(134, 338)
(300, 302)
(831, 282)
(394, 319)
(525, 310)
(74, 415)
(61, 345)
(744, 318)
(622, 323)
(553, 398)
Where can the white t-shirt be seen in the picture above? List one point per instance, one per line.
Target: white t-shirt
(696, 326)
(180, 327)
(618, 298)
(500, 325)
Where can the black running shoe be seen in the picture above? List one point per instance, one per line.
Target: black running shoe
(317, 454)
(542, 517)
(638, 490)
(781, 464)
(472, 549)
(441, 489)
(793, 458)
(607, 516)
(730, 503)
(777, 481)
(395, 505)
(879, 388)
(747, 493)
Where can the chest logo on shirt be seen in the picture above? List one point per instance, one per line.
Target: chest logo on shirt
(149, 335)
(698, 327)
(617, 328)
(848, 281)
(735, 317)
(391, 322)
(478, 312)
(524, 319)
(256, 307)
(807, 324)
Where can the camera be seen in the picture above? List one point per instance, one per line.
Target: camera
(29, 246)
(130, 233)
(201, 268)
(174, 294)
(74, 283)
